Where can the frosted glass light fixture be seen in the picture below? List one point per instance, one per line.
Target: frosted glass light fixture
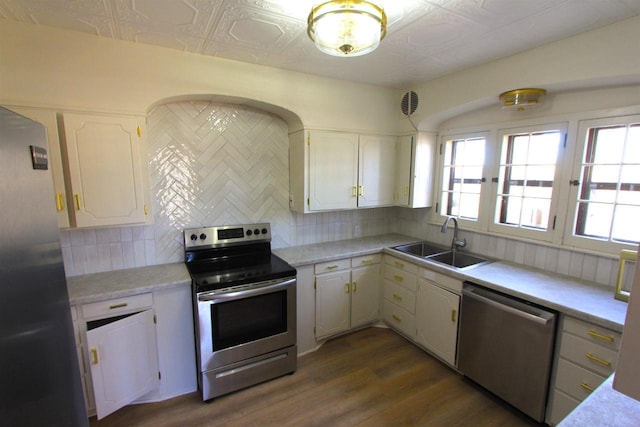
(347, 27)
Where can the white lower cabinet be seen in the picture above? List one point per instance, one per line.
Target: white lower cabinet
(400, 286)
(437, 320)
(347, 294)
(422, 305)
(135, 349)
(124, 360)
(587, 355)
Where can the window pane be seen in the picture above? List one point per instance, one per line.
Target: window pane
(610, 184)
(598, 218)
(624, 216)
(632, 147)
(526, 179)
(610, 143)
(462, 177)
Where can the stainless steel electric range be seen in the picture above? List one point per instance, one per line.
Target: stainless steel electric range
(244, 301)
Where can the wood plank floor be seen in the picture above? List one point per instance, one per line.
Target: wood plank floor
(372, 377)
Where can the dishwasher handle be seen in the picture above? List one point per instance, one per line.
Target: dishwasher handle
(506, 304)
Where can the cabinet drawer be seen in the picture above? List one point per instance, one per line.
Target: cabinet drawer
(602, 336)
(588, 354)
(400, 296)
(576, 381)
(365, 260)
(401, 265)
(441, 280)
(399, 319)
(400, 277)
(114, 307)
(561, 405)
(326, 267)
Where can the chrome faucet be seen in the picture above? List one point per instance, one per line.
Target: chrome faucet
(455, 243)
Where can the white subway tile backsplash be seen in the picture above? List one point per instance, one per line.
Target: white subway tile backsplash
(199, 177)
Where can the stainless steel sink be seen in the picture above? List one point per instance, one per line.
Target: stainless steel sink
(458, 259)
(442, 255)
(421, 249)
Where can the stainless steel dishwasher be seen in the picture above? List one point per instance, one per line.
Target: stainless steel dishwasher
(506, 346)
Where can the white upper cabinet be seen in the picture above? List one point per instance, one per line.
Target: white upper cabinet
(414, 170)
(47, 118)
(107, 170)
(333, 171)
(376, 170)
(338, 170)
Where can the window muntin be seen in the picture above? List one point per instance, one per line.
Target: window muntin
(608, 203)
(462, 177)
(526, 175)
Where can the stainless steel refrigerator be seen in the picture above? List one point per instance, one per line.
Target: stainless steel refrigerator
(39, 378)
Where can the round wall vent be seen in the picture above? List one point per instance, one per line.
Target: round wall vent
(409, 103)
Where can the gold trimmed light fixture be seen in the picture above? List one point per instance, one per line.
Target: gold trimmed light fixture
(347, 27)
(522, 99)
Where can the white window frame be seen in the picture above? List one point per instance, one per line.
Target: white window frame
(584, 242)
(547, 235)
(437, 217)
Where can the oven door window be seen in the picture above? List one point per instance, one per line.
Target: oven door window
(249, 319)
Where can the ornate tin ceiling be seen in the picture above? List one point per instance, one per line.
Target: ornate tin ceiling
(426, 38)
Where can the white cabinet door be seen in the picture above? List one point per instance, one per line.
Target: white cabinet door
(333, 170)
(124, 361)
(437, 320)
(106, 169)
(48, 119)
(333, 292)
(376, 170)
(404, 148)
(365, 295)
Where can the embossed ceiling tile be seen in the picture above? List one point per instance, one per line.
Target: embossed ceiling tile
(253, 30)
(92, 16)
(178, 41)
(496, 13)
(439, 30)
(191, 18)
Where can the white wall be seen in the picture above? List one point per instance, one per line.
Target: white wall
(608, 56)
(48, 67)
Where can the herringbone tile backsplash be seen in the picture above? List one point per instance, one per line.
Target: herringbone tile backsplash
(212, 164)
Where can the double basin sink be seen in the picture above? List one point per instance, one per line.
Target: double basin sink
(438, 254)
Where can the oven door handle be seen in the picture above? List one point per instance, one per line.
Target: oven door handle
(265, 288)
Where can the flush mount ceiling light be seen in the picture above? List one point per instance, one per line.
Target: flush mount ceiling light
(522, 99)
(347, 27)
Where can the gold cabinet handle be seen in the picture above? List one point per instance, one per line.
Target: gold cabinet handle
(367, 261)
(94, 356)
(60, 202)
(398, 277)
(406, 189)
(121, 305)
(347, 286)
(332, 267)
(597, 360)
(360, 190)
(77, 197)
(397, 297)
(454, 312)
(399, 264)
(599, 336)
(396, 318)
(355, 287)
(139, 132)
(354, 191)
(586, 387)
(146, 210)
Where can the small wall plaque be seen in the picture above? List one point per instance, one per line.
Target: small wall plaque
(39, 157)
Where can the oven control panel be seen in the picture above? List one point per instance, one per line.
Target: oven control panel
(226, 235)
